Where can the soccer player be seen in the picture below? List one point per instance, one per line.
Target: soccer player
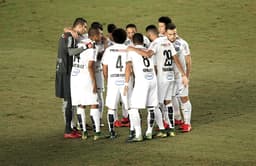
(162, 24)
(100, 48)
(183, 52)
(83, 84)
(131, 29)
(67, 49)
(111, 28)
(114, 61)
(163, 21)
(144, 93)
(165, 55)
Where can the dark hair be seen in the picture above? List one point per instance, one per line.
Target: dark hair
(137, 38)
(131, 26)
(171, 26)
(93, 31)
(96, 24)
(152, 28)
(165, 19)
(111, 28)
(78, 21)
(119, 35)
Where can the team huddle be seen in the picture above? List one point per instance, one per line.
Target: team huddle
(140, 72)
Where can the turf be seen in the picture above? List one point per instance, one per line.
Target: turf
(222, 38)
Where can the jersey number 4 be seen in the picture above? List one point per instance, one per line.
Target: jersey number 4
(168, 60)
(119, 63)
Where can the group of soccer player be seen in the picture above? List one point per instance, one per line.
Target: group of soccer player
(141, 72)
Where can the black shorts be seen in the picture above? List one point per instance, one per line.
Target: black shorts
(62, 86)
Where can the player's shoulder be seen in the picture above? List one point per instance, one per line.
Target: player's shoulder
(182, 41)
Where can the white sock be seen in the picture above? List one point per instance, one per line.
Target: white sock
(176, 108)
(124, 111)
(131, 122)
(170, 115)
(95, 113)
(73, 121)
(64, 105)
(159, 118)
(101, 103)
(80, 111)
(136, 121)
(116, 115)
(110, 117)
(150, 120)
(187, 109)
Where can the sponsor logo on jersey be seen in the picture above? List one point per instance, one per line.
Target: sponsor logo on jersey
(119, 82)
(149, 76)
(117, 75)
(167, 69)
(147, 70)
(165, 44)
(118, 50)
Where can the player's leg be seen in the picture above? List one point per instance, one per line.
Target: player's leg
(150, 122)
(132, 129)
(125, 118)
(68, 117)
(110, 118)
(187, 110)
(82, 120)
(136, 120)
(74, 118)
(176, 109)
(101, 105)
(64, 105)
(124, 99)
(162, 93)
(95, 117)
(112, 107)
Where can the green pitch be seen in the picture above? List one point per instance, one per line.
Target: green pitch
(223, 84)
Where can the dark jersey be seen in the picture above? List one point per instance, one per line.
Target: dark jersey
(63, 66)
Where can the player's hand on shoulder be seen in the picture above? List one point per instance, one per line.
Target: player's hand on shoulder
(85, 45)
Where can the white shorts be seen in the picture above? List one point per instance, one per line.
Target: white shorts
(166, 90)
(113, 97)
(82, 92)
(180, 90)
(144, 95)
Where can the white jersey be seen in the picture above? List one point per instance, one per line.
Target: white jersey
(145, 88)
(115, 58)
(143, 67)
(81, 82)
(146, 42)
(163, 53)
(98, 66)
(182, 48)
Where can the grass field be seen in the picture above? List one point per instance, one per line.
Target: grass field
(222, 38)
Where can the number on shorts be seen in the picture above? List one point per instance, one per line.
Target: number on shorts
(168, 60)
(119, 63)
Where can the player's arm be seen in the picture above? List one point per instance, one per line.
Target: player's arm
(179, 66)
(146, 53)
(188, 65)
(70, 30)
(92, 75)
(72, 50)
(105, 72)
(128, 72)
